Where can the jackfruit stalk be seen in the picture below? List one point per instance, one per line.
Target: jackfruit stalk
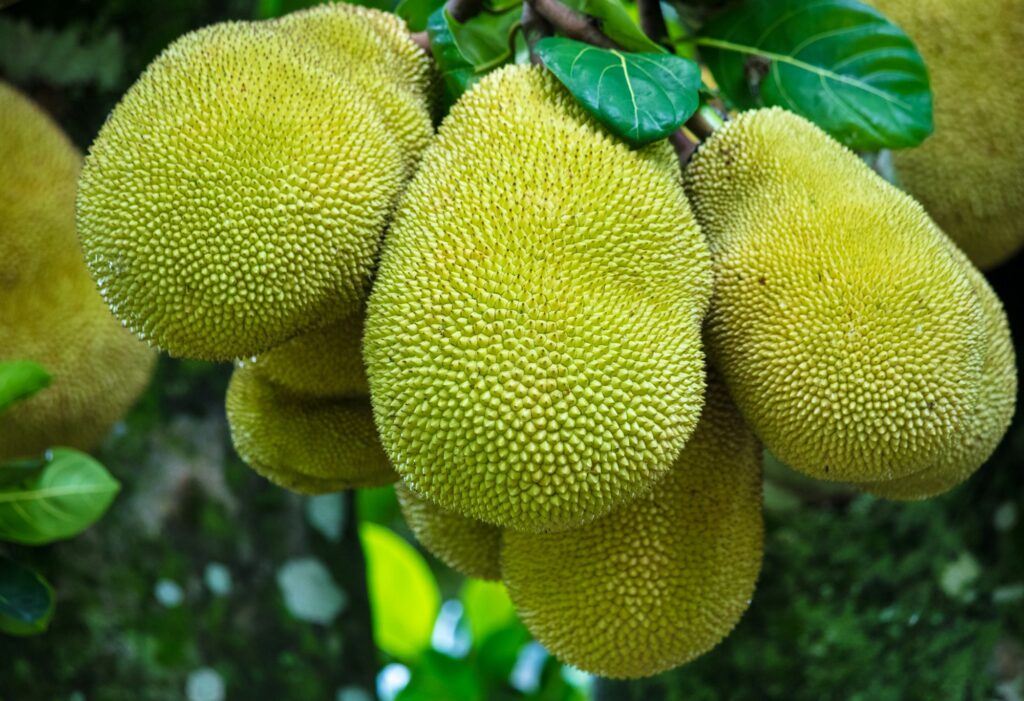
(532, 340)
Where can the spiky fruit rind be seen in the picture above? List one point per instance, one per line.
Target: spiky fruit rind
(847, 332)
(38, 176)
(992, 412)
(658, 581)
(327, 362)
(969, 174)
(228, 203)
(305, 444)
(532, 340)
(464, 544)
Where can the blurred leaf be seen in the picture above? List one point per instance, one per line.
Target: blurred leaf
(16, 472)
(498, 653)
(404, 596)
(276, 8)
(416, 13)
(438, 676)
(26, 600)
(61, 57)
(19, 380)
(613, 19)
(487, 608)
(639, 97)
(378, 505)
(464, 53)
(68, 496)
(839, 63)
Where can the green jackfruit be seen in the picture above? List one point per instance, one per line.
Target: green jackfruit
(969, 174)
(846, 330)
(305, 444)
(372, 49)
(661, 580)
(322, 363)
(464, 544)
(38, 176)
(50, 311)
(532, 340)
(992, 412)
(229, 204)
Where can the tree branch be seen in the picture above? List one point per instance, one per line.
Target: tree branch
(652, 21)
(462, 10)
(534, 29)
(684, 147)
(573, 24)
(421, 39)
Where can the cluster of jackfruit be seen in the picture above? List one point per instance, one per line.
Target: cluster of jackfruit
(530, 357)
(50, 311)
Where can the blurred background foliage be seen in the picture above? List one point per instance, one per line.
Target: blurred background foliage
(205, 582)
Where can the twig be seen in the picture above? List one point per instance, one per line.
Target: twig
(534, 28)
(701, 124)
(421, 39)
(684, 147)
(573, 24)
(462, 10)
(652, 21)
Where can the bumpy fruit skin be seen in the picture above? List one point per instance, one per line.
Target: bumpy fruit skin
(992, 412)
(846, 330)
(464, 544)
(237, 195)
(308, 445)
(969, 174)
(50, 311)
(38, 176)
(322, 363)
(661, 580)
(532, 340)
(373, 49)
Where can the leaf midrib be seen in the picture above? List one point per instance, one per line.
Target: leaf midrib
(40, 494)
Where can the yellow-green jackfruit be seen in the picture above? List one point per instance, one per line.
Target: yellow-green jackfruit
(237, 195)
(992, 412)
(322, 363)
(38, 177)
(373, 49)
(532, 339)
(464, 544)
(969, 174)
(50, 311)
(661, 580)
(306, 444)
(846, 330)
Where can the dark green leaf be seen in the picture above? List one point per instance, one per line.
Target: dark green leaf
(639, 97)
(16, 472)
(839, 63)
(465, 52)
(26, 600)
(416, 13)
(20, 380)
(68, 496)
(613, 19)
(438, 676)
(69, 56)
(277, 8)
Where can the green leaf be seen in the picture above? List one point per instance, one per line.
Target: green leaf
(19, 380)
(438, 676)
(416, 13)
(839, 63)
(613, 19)
(404, 596)
(26, 600)
(16, 472)
(465, 52)
(639, 97)
(68, 496)
(487, 608)
(70, 56)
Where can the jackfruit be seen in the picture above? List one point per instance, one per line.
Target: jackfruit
(532, 340)
(464, 544)
(659, 581)
(38, 176)
(846, 330)
(229, 203)
(306, 444)
(50, 311)
(992, 412)
(322, 363)
(373, 49)
(969, 174)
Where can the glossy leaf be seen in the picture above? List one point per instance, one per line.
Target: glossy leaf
(639, 97)
(613, 19)
(12, 473)
(26, 600)
(416, 13)
(488, 608)
(70, 494)
(404, 597)
(465, 52)
(19, 380)
(839, 63)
